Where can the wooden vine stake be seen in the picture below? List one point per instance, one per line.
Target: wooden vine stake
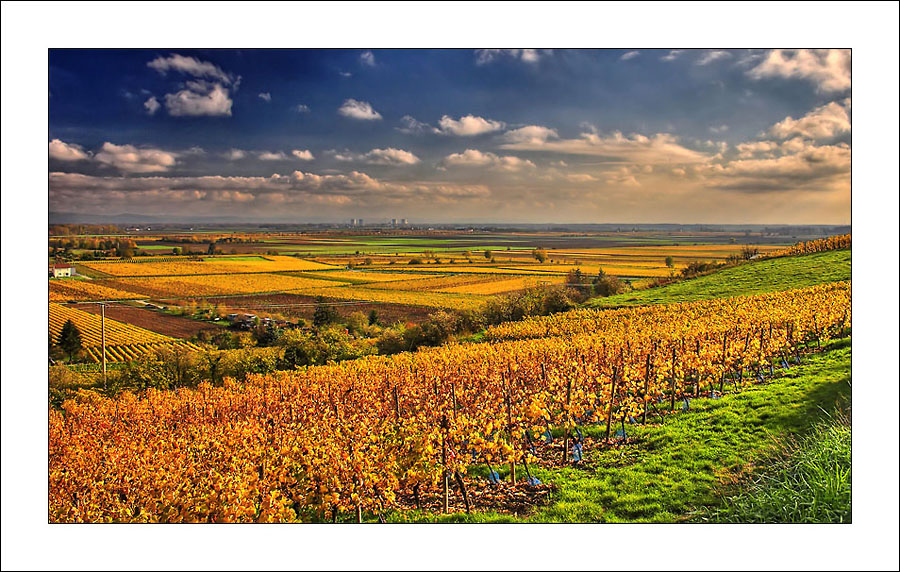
(568, 416)
(509, 426)
(673, 377)
(646, 387)
(612, 398)
(446, 474)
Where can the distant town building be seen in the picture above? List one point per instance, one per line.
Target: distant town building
(61, 270)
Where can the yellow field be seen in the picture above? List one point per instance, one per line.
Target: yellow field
(172, 266)
(592, 269)
(80, 290)
(363, 276)
(431, 299)
(461, 268)
(501, 286)
(217, 285)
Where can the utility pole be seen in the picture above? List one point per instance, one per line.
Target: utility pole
(103, 340)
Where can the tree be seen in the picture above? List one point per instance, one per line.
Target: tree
(324, 314)
(125, 249)
(373, 317)
(670, 262)
(177, 251)
(212, 248)
(748, 252)
(488, 254)
(539, 254)
(70, 339)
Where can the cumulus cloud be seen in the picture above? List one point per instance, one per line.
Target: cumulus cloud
(300, 108)
(823, 122)
(266, 96)
(411, 126)
(62, 151)
(468, 125)
(623, 176)
(367, 58)
(527, 55)
(151, 105)
(712, 56)
(199, 98)
(672, 55)
(131, 159)
(389, 157)
(828, 69)
(813, 168)
(271, 156)
(475, 158)
(718, 129)
(752, 148)
(303, 154)
(358, 110)
(235, 154)
(207, 95)
(660, 148)
(628, 55)
(190, 66)
(533, 134)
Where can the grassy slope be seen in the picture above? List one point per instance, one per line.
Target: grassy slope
(752, 278)
(676, 469)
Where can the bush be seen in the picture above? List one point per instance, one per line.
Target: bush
(608, 285)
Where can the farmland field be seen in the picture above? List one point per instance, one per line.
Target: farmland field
(587, 385)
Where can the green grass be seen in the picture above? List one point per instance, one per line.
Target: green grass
(752, 278)
(807, 480)
(678, 467)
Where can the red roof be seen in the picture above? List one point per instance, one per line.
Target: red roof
(61, 266)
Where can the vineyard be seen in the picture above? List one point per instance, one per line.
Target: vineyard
(180, 266)
(123, 341)
(820, 245)
(365, 436)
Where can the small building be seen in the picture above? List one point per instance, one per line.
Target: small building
(61, 270)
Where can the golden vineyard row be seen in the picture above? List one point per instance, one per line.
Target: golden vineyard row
(836, 242)
(333, 439)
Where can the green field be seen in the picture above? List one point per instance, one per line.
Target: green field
(752, 278)
(675, 470)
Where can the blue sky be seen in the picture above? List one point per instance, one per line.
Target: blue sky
(728, 136)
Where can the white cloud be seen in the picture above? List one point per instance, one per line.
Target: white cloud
(199, 98)
(151, 105)
(528, 55)
(131, 159)
(581, 178)
(271, 156)
(712, 56)
(746, 150)
(814, 168)
(389, 156)
(534, 134)
(367, 58)
(300, 108)
(303, 154)
(266, 96)
(345, 74)
(718, 128)
(660, 148)
(828, 69)
(358, 110)
(628, 55)
(469, 125)
(191, 66)
(622, 176)
(412, 126)
(475, 158)
(62, 151)
(823, 122)
(235, 154)
(672, 55)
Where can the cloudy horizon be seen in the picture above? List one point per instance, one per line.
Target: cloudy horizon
(520, 136)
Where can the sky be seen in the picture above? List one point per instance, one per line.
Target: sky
(453, 136)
